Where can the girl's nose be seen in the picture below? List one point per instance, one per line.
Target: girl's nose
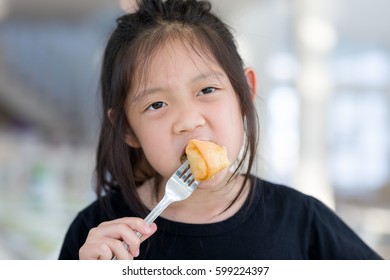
(187, 120)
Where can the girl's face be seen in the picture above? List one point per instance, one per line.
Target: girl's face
(185, 95)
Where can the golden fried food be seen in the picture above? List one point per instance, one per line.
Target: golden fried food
(206, 158)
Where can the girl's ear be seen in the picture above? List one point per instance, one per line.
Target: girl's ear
(110, 117)
(130, 138)
(250, 75)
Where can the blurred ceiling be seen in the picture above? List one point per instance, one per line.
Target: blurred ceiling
(364, 22)
(357, 21)
(43, 9)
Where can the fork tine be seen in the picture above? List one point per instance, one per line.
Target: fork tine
(183, 168)
(187, 175)
(190, 177)
(192, 181)
(184, 173)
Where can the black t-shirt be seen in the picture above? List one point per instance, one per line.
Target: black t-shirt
(275, 222)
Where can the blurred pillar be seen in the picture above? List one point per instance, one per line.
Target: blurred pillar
(4, 9)
(315, 39)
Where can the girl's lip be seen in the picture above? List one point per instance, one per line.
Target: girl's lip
(201, 139)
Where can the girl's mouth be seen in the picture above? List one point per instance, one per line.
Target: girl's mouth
(184, 155)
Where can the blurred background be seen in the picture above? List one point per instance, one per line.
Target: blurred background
(324, 103)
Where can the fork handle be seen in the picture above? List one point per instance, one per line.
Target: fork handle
(160, 207)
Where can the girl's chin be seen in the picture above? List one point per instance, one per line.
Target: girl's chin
(219, 180)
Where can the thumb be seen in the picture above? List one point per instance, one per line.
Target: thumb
(152, 228)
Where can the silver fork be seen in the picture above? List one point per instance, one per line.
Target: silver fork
(179, 187)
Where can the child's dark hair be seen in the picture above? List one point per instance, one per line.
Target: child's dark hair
(132, 45)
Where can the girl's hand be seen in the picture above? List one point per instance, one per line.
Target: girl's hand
(105, 241)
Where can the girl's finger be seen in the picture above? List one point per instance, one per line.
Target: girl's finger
(131, 238)
(104, 249)
(122, 226)
(121, 251)
(153, 228)
(108, 239)
(95, 251)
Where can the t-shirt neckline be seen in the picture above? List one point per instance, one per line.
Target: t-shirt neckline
(210, 229)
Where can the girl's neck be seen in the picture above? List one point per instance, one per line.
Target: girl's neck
(205, 205)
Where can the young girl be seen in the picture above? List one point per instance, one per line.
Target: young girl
(171, 73)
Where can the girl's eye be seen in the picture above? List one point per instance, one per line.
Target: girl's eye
(156, 106)
(207, 90)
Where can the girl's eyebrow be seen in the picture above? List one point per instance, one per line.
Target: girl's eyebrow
(140, 95)
(208, 75)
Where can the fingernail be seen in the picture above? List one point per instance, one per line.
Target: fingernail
(136, 254)
(147, 230)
